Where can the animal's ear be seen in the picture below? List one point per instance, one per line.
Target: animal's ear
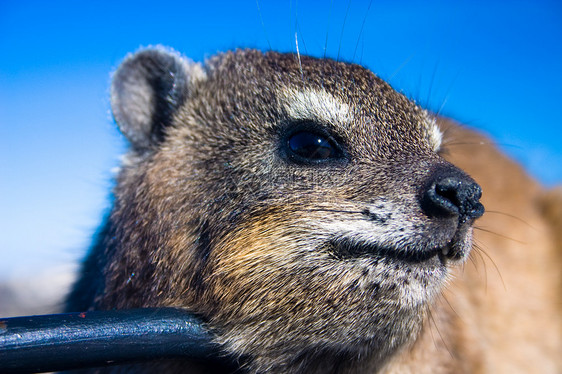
(146, 91)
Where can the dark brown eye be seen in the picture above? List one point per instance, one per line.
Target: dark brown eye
(311, 147)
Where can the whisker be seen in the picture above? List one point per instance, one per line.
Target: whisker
(263, 25)
(430, 317)
(512, 216)
(496, 144)
(299, 56)
(449, 143)
(362, 50)
(473, 261)
(298, 28)
(361, 30)
(481, 251)
(328, 29)
(463, 265)
(343, 28)
(402, 65)
(477, 251)
(440, 335)
(431, 82)
(448, 93)
(419, 85)
(302, 38)
(444, 297)
(500, 235)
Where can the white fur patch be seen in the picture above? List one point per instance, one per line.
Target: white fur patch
(396, 230)
(434, 134)
(318, 105)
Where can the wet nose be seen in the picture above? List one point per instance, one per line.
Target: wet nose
(452, 194)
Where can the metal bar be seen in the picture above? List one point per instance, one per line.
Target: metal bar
(100, 338)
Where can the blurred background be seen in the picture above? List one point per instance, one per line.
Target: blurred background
(492, 65)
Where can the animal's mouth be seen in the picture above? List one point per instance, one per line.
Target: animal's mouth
(345, 248)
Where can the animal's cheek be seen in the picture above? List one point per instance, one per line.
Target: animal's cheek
(268, 263)
(277, 264)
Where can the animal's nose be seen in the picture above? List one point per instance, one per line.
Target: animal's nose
(451, 193)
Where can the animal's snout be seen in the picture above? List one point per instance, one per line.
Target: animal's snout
(449, 192)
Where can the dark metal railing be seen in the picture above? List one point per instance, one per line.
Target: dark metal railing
(99, 338)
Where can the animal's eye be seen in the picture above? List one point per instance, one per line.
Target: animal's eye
(312, 147)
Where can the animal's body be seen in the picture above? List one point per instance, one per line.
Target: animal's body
(315, 219)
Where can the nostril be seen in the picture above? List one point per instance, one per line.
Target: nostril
(453, 195)
(447, 191)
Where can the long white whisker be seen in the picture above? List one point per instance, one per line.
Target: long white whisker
(299, 55)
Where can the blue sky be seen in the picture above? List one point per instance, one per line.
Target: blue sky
(493, 65)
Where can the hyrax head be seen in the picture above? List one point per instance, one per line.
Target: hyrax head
(299, 205)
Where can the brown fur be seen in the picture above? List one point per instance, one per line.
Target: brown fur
(211, 215)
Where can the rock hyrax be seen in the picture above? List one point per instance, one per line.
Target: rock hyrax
(300, 206)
